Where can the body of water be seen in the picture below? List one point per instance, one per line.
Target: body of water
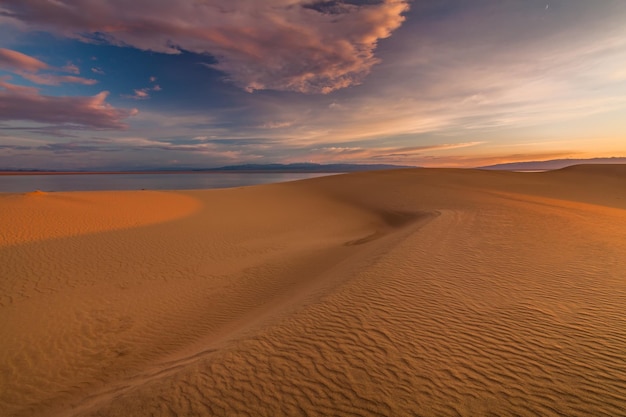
(178, 181)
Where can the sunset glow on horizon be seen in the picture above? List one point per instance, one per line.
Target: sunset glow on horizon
(108, 84)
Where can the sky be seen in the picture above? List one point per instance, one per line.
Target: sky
(115, 85)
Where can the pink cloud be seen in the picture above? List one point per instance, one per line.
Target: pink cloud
(17, 61)
(71, 68)
(297, 45)
(143, 93)
(27, 104)
(30, 69)
(140, 94)
(49, 79)
(383, 154)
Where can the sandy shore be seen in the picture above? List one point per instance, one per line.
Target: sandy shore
(400, 293)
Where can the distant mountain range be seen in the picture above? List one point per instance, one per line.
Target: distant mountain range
(553, 164)
(305, 167)
(275, 168)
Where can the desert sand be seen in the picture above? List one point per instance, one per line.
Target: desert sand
(425, 292)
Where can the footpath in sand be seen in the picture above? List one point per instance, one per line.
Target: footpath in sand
(401, 293)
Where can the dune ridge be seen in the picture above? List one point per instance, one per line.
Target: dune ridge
(407, 292)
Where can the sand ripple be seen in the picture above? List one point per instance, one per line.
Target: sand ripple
(421, 293)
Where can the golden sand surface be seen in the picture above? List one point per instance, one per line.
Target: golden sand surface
(422, 292)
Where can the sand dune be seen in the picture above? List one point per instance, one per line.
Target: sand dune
(399, 293)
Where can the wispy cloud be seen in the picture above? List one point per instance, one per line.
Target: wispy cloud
(453, 84)
(27, 104)
(49, 79)
(18, 62)
(473, 72)
(276, 125)
(143, 93)
(381, 154)
(130, 144)
(474, 161)
(71, 68)
(30, 69)
(306, 46)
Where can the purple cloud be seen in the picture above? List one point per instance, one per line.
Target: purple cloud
(142, 93)
(25, 103)
(30, 69)
(17, 61)
(71, 68)
(48, 79)
(296, 45)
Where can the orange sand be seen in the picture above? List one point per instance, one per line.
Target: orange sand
(401, 293)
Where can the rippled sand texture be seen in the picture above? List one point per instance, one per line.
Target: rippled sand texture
(402, 293)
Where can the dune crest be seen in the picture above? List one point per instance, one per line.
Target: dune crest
(410, 292)
(36, 193)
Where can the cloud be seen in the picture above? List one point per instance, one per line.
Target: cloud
(381, 154)
(48, 79)
(27, 104)
(30, 69)
(276, 125)
(294, 45)
(142, 93)
(18, 62)
(136, 152)
(97, 70)
(455, 72)
(472, 161)
(71, 68)
(127, 144)
(139, 94)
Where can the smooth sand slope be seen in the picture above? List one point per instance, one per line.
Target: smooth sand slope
(401, 293)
